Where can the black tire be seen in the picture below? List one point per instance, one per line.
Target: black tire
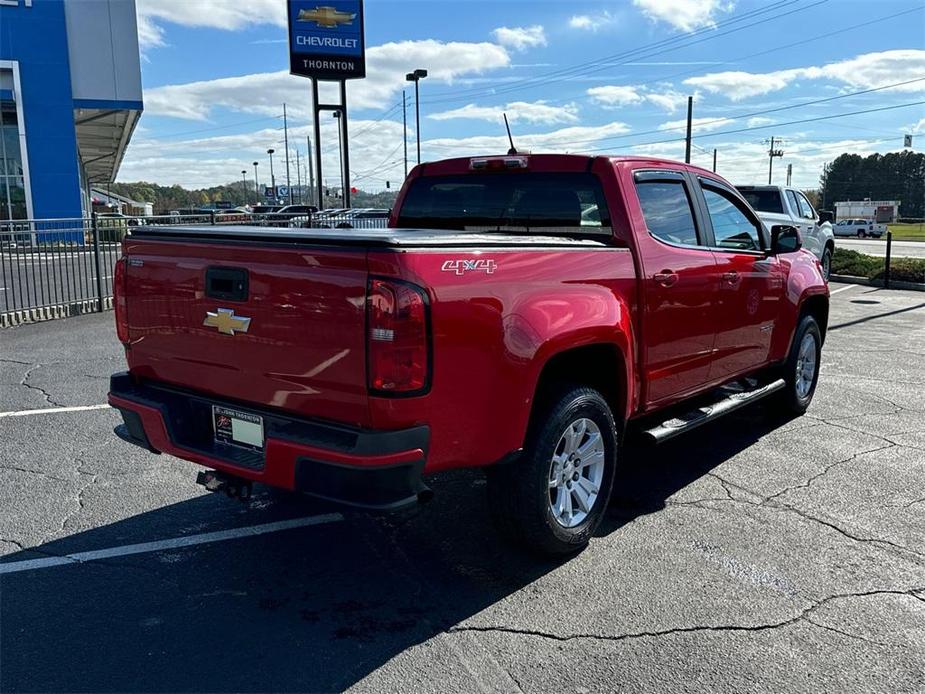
(519, 493)
(792, 401)
(826, 263)
(862, 234)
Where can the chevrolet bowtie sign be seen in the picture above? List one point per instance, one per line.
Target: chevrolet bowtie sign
(326, 39)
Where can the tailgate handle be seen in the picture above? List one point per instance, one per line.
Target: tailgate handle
(226, 283)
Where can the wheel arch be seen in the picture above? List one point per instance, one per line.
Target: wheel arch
(603, 366)
(817, 306)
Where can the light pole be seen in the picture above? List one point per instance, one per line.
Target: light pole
(244, 184)
(272, 177)
(416, 77)
(256, 186)
(340, 156)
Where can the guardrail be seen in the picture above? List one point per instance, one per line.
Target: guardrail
(54, 268)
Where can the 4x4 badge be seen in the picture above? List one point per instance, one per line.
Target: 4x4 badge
(461, 267)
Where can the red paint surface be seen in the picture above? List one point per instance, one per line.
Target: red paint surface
(492, 334)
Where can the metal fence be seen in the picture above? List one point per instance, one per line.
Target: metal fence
(52, 268)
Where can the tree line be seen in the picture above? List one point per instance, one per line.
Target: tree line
(894, 176)
(176, 197)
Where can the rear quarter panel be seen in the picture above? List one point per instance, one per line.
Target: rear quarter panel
(493, 333)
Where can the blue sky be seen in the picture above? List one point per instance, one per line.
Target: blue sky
(602, 77)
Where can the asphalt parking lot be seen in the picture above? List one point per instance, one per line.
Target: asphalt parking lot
(752, 555)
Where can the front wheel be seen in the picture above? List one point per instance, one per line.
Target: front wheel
(862, 234)
(826, 263)
(554, 497)
(801, 370)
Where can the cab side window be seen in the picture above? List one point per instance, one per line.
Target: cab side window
(732, 228)
(666, 207)
(806, 209)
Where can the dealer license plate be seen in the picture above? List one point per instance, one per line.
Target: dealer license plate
(237, 428)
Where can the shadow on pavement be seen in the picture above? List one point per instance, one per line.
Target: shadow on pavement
(314, 609)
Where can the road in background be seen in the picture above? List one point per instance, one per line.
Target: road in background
(900, 249)
(749, 555)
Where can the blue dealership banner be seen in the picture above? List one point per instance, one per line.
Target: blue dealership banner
(326, 39)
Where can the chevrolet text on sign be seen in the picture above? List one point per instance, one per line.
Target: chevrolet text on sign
(326, 39)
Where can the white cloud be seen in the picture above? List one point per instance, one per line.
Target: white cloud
(588, 22)
(615, 96)
(520, 38)
(919, 127)
(866, 71)
(571, 139)
(531, 112)
(387, 64)
(669, 100)
(686, 15)
(618, 96)
(215, 14)
(697, 124)
(758, 121)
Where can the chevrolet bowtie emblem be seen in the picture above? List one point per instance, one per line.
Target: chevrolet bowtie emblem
(326, 16)
(226, 322)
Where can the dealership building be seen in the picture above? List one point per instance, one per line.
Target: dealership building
(70, 97)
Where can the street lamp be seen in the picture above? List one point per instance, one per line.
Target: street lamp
(256, 187)
(340, 155)
(416, 77)
(244, 184)
(272, 177)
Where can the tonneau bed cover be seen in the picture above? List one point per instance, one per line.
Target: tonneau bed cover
(358, 237)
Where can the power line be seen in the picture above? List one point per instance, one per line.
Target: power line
(684, 41)
(772, 125)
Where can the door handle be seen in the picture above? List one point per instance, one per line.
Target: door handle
(666, 278)
(730, 277)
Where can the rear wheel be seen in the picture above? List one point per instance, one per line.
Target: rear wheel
(801, 370)
(554, 497)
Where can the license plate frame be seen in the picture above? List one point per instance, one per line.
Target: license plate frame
(233, 427)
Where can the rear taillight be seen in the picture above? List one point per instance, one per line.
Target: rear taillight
(119, 301)
(397, 338)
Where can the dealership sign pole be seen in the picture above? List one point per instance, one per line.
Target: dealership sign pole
(326, 43)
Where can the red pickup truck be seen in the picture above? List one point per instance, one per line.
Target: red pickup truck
(519, 314)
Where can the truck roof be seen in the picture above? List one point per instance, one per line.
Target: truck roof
(552, 162)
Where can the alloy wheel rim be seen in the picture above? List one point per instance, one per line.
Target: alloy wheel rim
(576, 472)
(806, 366)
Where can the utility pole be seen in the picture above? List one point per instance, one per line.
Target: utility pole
(789, 173)
(771, 154)
(286, 137)
(687, 141)
(340, 156)
(714, 160)
(298, 173)
(311, 172)
(404, 127)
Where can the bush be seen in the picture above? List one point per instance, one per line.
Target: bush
(855, 264)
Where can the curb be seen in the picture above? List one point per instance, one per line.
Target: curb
(894, 284)
(38, 315)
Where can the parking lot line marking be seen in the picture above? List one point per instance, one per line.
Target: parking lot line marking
(53, 410)
(173, 543)
(843, 289)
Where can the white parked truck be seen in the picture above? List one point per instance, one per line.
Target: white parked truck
(784, 205)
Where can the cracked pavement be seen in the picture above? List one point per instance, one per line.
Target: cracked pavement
(751, 555)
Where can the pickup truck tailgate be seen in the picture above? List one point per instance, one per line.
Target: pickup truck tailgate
(303, 349)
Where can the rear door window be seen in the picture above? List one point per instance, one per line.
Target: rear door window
(764, 200)
(511, 202)
(666, 207)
